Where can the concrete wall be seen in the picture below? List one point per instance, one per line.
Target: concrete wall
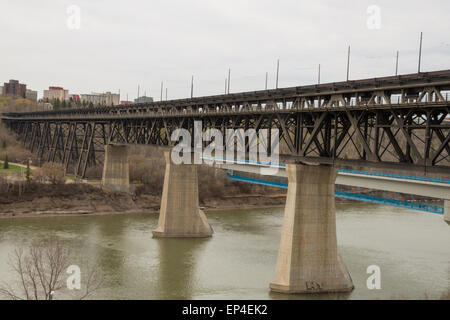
(447, 211)
(308, 261)
(116, 174)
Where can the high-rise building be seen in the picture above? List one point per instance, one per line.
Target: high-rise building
(31, 95)
(14, 89)
(1, 90)
(107, 99)
(143, 99)
(56, 93)
(74, 97)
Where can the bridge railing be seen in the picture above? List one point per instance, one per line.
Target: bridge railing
(129, 112)
(396, 176)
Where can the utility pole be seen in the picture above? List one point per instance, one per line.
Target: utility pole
(348, 63)
(420, 51)
(229, 77)
(192, 87)
(267, 76)
(396, 65)
(162, 90)
(278, 71)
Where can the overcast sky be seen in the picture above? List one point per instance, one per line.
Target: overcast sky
(120, 44)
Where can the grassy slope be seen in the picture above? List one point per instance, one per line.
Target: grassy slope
(12, 169)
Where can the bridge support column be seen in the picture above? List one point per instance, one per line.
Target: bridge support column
(308, 261)
(447, 211)
(180, 215)
(116, 168)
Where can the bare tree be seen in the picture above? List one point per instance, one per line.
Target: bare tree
(40, 272)
(52, 172)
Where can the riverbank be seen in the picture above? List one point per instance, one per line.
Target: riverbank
(83, 199)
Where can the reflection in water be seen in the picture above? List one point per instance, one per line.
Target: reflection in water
(109, 237)
(177, 276)
(238, 262)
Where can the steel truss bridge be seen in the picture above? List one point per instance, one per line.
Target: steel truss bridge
(395, 122)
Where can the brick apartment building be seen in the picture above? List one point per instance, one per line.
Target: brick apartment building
(14, 89)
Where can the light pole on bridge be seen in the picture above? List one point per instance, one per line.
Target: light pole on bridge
(420, 51)
(267, 76)
(396, 65)
(318, 78)
(229, 78)
(348, 63)
(278, 71)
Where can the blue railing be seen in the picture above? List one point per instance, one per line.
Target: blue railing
(390, 202)
(268, 183)
(348, 195)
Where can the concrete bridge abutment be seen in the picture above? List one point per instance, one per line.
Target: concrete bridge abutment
(116, 174)
(447, 211)
(308, 261)
(180, 215)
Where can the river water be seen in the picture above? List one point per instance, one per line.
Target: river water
(411, 248)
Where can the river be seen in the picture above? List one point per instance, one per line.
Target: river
(411, 248)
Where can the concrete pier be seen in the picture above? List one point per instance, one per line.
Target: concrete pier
(308, 261)
(116, 174)
(180, 215)
(447, 211)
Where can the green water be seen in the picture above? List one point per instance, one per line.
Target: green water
(238, 262)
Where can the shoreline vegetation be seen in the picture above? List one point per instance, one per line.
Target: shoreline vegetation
(86, 199)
